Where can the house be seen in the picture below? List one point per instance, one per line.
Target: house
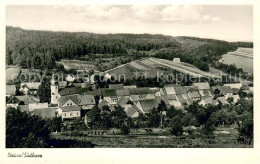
(70, 78)
(129, 86)
(169, 90)
(205, 94)
(103, 103)
(202, 86)
(122, 93)
(62, 84)
(46, 113)
(191, 88)
(132, 111)
(86, 102)
(134, 98)
(223, 100)
(184, 99)
(124, 101)
(146, 105)
(140, 91)
(222, 90)
(176, 60)
(16, 101)
(107, 76)
(109, 95)
(208, 101)
(68, 107)
(10, 90)
(29, 87)
(234, 85)
(234, 97)
(69, 91)
(194, 95)
(116, 86)
(251, 89)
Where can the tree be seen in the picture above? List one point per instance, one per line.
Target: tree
(118, 116)
(94, 115)
(176, 126)
(55, 124)
(161, 108)
(25, 131)
(125, 130)
(44, 91)
(153, 118)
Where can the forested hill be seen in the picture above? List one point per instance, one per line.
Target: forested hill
(40, 49)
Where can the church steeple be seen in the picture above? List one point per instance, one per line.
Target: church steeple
(54, 90)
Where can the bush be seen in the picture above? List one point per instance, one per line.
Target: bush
(125, 130)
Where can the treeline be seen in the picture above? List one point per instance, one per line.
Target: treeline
(35, 49)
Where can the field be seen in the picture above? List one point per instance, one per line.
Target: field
(12, 73)
(153, 66)
(242, 58)
(78, 64)
(224, 138)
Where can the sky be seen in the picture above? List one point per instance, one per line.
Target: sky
(225, 22)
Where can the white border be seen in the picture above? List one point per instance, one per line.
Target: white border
(130, 155)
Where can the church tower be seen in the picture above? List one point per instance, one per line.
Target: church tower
(54, 90)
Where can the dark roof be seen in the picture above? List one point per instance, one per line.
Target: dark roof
(10, 89)
(224, 89)
(148, 104)
(180, 90)
(191, 88)
(70, 108)
(123, 92)
(45, 113)
(124, 101)
(108, 92)
(69, 91)
(202, 86)
(235, 90)
(86, 100)
(64, 99)
(140, 91)
(115, 86)
(27, 99)
(94, 93)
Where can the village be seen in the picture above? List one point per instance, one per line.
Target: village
(69, 102)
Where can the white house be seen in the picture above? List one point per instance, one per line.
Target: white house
(176, 60)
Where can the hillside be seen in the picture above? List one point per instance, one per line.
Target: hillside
(40, 49)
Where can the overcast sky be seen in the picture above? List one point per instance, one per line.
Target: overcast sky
(231, 23)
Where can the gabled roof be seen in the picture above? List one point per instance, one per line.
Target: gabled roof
(191, 88)
(86, 100)
(27, 99)
(129, 86)
(10, 89)
(123, 92)
(169, 90)
(244, 87)
(102, 103)
(115, 86)
(139, 91)
(202, 86)
(124, 101)
(235, 90)
(45, 113)
(194, 94)
(180, 90)
(222, 100)
(94, 93)
(129, 111)
(224, 89)
(70, 108)
(234, 85)
(69, 91)
(31, 85)
(148, 104)
(205, 93)
(64, 99)
(134, 98)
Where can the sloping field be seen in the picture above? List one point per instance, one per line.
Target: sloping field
(77, 64)
(187, 69)
(138, 66)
